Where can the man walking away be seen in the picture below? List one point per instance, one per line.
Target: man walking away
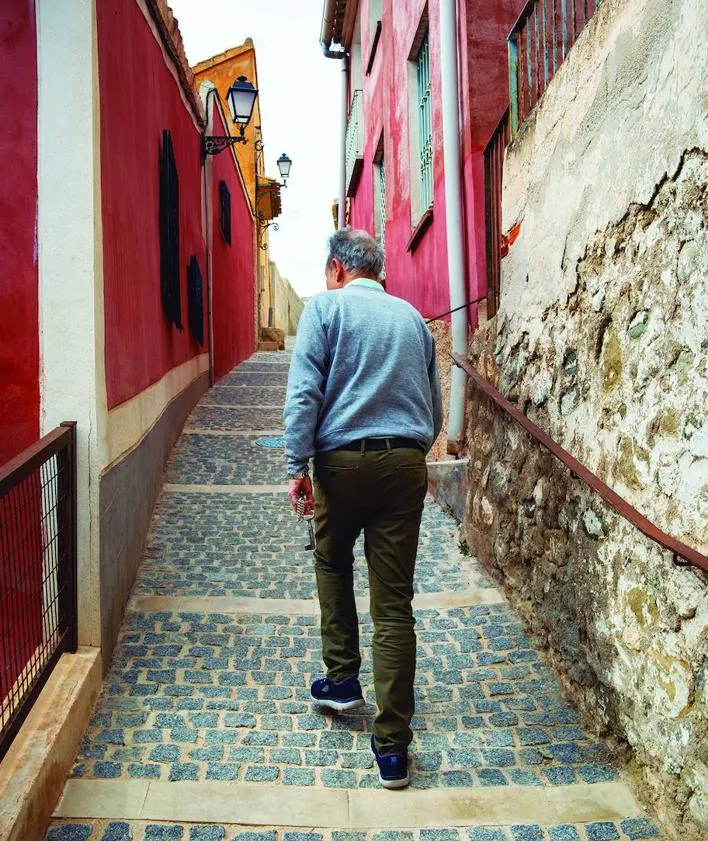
(364, 402)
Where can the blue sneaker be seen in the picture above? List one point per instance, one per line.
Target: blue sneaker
(340, 696)
(393, 768)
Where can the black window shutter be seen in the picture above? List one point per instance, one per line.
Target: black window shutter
(225, 211)
(169, 233)
(195, 300)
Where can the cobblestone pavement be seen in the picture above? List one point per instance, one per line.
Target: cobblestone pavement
(218, 694)
(250, 545)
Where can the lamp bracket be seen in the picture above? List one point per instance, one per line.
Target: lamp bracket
(213, 145)
(263, 225)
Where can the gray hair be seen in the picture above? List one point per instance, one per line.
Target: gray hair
(357, 251)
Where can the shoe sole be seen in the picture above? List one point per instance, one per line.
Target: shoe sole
(339, 706)
(394, 784)
(391, 785)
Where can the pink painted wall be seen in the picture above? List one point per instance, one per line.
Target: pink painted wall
(421, 277)
(139, 98)
(19, 326)
(233, 268)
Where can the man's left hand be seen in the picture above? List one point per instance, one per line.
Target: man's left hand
(302, 488)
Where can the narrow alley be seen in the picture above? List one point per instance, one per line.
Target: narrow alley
(205, 730)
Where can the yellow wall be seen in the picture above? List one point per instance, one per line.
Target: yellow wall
(287, 305)
(222, 71)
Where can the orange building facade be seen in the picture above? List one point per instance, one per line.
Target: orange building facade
(221, 71)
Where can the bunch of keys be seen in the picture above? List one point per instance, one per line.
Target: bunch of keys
(308, 519)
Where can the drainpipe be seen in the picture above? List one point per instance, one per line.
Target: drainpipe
(453, 208)
(207, 90)
(325, 43)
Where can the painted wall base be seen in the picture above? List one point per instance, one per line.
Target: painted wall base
(128, 494)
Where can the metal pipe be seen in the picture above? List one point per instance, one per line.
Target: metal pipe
(453, 208)
(207, 176)
(342, 209)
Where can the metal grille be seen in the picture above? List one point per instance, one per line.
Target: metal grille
(380, 171)
(225, 211)
(538, 44)
(493, 171)
(37, 572)
(425, 126)
(354, 142)
(169, 233)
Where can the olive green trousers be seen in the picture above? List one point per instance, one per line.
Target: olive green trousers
(380, 493)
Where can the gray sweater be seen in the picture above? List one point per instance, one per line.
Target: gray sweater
(363, 366)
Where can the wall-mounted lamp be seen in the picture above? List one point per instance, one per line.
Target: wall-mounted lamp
(284, 164)
(242, 99)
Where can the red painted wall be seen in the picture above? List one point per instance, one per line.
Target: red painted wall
(20, 511)
(139, 98)
(19, 328)
(233, 268)
(421, 277)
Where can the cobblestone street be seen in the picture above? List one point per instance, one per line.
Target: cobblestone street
(205, 730)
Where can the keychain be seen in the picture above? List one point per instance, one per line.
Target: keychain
(308, 519)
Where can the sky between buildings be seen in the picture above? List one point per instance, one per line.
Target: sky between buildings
(298, 91)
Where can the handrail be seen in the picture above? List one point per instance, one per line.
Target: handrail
(18, 468)
(613, 499)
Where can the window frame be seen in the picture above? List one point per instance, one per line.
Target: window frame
(420, 125)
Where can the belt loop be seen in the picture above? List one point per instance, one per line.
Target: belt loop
(363, 446)
(388, 444)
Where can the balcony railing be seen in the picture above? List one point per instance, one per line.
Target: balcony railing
(37, 572)
(355, 143)
(493, 170)
(538, 43)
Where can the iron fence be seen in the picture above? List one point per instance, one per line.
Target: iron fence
(538, 44)
(37, 572)
(493, 171)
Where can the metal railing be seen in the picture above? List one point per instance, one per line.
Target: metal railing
(613, 499)
(38, 615)
(354, 142)
(493, 171)
(538, 43)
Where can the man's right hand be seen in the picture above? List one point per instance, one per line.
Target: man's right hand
(302, 488)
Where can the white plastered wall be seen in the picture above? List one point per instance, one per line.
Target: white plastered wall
(69, 243)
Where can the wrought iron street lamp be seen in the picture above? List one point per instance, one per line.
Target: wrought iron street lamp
(241, 98)
(284, 164)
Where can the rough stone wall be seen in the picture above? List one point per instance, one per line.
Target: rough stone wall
(287, 305)
(601, 339)
(443, 345)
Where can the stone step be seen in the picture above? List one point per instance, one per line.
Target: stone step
(597, 813)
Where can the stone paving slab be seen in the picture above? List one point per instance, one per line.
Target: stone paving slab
(223, 697)
(302, 607)
(243, 376)
(228, 802)
(228, 417)
(632, 829)
(200, 459)
(277, 366)
(252, 545)
(244, 396)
